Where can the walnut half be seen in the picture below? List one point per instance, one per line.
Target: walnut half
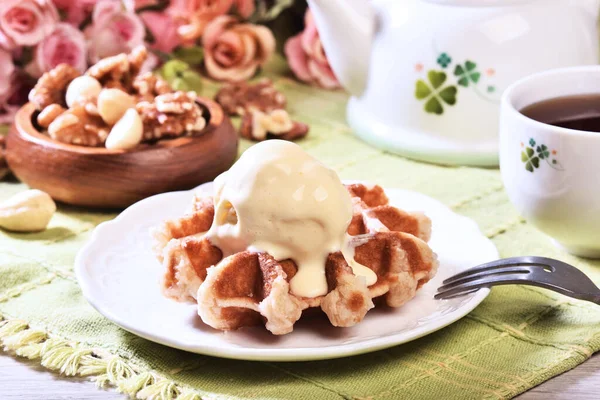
(52, 86)
(77, 126)
(237, 98)
(49, 114)
(171, 115)
(277, 124)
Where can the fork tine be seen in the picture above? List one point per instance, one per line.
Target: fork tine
(466, 292)
(479, 283)
(520, 279)
(506, 262)
(486, 273)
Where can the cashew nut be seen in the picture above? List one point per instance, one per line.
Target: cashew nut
(28, 211)
(82, 87)
(112, 104)
(127, 132)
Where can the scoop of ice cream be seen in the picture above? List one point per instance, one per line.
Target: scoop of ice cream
(278, 199)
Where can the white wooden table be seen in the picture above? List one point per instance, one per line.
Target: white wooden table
(25, 380)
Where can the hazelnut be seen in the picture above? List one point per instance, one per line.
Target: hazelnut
(112, 104)
(127, 132)
(82, 87)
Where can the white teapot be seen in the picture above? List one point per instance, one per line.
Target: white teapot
(427, 75)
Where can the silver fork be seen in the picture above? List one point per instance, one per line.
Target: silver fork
(543, 272)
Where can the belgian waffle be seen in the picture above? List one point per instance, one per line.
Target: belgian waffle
(250, 288)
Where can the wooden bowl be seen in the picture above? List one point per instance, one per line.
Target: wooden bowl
(98, 177)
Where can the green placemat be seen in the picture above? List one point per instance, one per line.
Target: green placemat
(517, 338)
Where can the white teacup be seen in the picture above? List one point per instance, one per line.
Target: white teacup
(560, 192)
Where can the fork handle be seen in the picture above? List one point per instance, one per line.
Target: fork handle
(592, 298)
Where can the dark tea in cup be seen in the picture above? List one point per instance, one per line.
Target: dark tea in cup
(581, 112)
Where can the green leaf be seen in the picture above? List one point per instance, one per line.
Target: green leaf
(178, 84)
(448, 94)
(189, 55)
(436, 78)
(434, 106)
(532, 142)
(268, 10)
(459, 70)
(529, 167)
(193, 81)
(470, 65)
(528, 157)
(529, 151)
(543, 151)
(475, 77)
(422, 91)
(463, 81)
(171, 69)
(180, 76)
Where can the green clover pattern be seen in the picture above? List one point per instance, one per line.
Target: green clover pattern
(437, 92)
(467, 73)
(532, 155)
(434, 94)
(530, 159)
(444, 60)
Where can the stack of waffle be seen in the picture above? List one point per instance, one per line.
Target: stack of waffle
(250, 288)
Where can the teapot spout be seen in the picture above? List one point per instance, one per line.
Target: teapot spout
(346, 29)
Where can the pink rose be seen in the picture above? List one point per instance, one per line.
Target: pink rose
(25, 22)
(245, 8)
(163, 29)
(233, 51)
(114, 30)
(65, 45)
(193, 16)
(7, 69)
(6, 72)
(76, 11)
(307, 58)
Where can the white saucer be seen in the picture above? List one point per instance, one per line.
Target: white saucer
(120, 276)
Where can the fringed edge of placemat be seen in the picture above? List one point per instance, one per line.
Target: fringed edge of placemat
(74, 359)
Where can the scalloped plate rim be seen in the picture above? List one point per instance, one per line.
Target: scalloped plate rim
(285, 354)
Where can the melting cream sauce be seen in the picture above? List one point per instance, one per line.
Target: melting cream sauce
(278, 199)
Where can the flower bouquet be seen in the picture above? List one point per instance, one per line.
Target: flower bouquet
(190, 40)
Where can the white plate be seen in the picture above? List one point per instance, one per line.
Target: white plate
(120, 276)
